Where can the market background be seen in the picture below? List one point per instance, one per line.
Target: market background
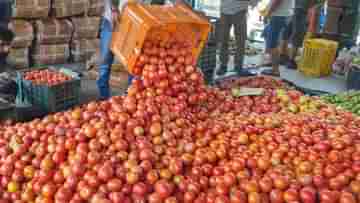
(65, 34)
(173, 137)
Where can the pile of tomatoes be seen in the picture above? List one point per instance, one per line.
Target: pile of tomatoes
(172, 139)
(46, 77)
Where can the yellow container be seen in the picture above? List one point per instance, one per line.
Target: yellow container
(318, 57)
(141, 22)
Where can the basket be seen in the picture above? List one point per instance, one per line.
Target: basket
(24, 33)
(207, 59)
(67, 8)
(49, 98)
(318, 56)
(31, 8)
(83, 50)
(86, 27)
(53, 31)
(140, 22)
(18, 58)
(95, 8)
(50, 54)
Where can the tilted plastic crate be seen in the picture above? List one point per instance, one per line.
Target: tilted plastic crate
(140, 22)
(50, 98)
(318, 56)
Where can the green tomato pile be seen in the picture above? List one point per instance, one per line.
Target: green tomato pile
(349, 101)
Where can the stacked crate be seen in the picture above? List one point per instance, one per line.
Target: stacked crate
(53, 30)
(207, 59)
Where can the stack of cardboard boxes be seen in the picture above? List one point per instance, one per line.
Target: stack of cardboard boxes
(54, 31)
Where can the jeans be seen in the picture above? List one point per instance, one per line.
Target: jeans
(276, 27)
(107, 59)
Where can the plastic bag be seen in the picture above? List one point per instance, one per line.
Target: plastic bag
(339, 64)
(344, 60)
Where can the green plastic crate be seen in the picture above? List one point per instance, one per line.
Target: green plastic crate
(7, 112)
(50, 98)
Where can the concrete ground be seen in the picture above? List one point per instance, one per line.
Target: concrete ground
(331, 84)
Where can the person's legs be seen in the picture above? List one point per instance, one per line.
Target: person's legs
(284, 42)
(240, 22)
(297, 37)
(277, 24)
(225, 26)
(107, 59)
(266, 58)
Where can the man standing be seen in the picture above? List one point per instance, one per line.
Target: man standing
(279, 12)
(233, 13)
(110, 17)
(107, 57)
(296, 31)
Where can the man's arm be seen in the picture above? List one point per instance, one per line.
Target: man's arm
(274, 5)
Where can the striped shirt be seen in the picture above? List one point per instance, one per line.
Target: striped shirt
(231, 7)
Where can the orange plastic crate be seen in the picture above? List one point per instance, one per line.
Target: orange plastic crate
(141, 22)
